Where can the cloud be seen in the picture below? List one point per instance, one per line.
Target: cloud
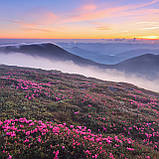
(142, 5)
(40, 17)
(86, 12)
(36, 29)
(30, 26)
(78, 22)
(89, 12)
(150, 37)
(93, 15)
(37, 20)
(18, 59)
(103, 28)
(88, 7)
(152, 28)
(148, 22)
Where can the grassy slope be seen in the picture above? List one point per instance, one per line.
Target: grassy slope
(118, 112)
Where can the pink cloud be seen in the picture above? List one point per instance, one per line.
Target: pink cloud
(41, 17)
(86, 12)
(36, 29)
(40, 20)
(88, 7)
(36, 21)
(30, 27)
(94, 12)
(93, 15)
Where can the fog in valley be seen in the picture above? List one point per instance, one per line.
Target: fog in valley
(18, 59)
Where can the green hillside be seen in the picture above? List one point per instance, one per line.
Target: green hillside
(49, 114)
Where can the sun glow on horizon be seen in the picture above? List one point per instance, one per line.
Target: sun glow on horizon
(150, 37)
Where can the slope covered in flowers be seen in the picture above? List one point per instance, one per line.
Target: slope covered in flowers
(49, 114)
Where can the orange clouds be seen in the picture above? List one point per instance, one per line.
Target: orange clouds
(93, 20)
(103, 28)
(37, 29)
(36, 21)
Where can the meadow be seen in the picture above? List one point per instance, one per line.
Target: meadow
(51, 115)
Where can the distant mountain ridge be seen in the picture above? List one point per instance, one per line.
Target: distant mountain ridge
(110, 53)
(48, 50)
(97, 57)
(137, 52)
(145, 65)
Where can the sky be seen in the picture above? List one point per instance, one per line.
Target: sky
(79, 19)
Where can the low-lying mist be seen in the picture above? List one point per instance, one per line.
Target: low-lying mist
(18, 59)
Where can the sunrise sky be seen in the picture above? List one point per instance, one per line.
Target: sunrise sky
(79, 19)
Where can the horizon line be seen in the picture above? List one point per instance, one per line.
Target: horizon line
(77, 39)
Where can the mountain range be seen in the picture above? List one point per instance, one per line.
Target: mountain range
(145, 65)
(107, 58)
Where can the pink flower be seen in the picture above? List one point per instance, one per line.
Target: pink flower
(27, 133)
(71, 126)
(111, 156)
(39, 139)
(88, 152)
(56, 129)
(26, 140)
(76, 112)
(117, 145)
(56, 154)
(95, 156)
(130, 149)
(1, 123)
(10, 157)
